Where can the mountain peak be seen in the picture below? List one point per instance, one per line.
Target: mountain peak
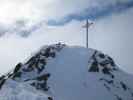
(61, 72)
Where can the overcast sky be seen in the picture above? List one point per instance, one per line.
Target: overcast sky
(26, 25)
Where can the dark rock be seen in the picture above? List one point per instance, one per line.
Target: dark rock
(42, 61)
(106, 70)
(27, 69)
(94, 67)
(17, 75)
(40, 69)
(33, 84)
(30, 67)
(132, 94)
(10, 74)
(112, 76)
(118, 98)
(124, 86)
(104, 63)
(111, 61)
(30, 60)
(2, 77)
(43, 77)
(52, 54)
(107, 87)
(41, 82)
(107, 81)
(2, 82)
(50, 98)
(47, 52)
(40, 85)
(17, 68)
(101, 55)
(43, 86)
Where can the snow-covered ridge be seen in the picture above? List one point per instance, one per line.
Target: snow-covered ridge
(60, 72)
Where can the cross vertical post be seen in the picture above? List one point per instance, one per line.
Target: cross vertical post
(87, 25)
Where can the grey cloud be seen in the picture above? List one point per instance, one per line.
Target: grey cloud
(94, 12)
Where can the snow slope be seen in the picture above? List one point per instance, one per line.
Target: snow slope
(60, 72)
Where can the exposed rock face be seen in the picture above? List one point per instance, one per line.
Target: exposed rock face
(34, 68)
(60, 73)
(102, 63)
(36, 65)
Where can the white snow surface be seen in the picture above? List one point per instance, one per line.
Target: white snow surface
(70, 80)
(13, 90)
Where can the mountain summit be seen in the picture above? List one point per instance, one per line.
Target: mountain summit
(61, 72)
